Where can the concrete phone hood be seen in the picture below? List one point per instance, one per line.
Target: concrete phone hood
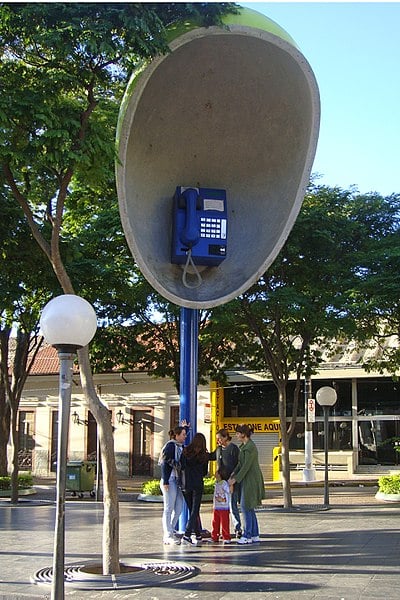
(233, 107)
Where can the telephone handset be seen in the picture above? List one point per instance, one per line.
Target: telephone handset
(199, 226)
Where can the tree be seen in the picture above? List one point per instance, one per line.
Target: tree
(280, 325)
(146, 332)
(305, 298)
(62, 74)
(22, 297)
(312, 293)
(375, 299)
(26, 349)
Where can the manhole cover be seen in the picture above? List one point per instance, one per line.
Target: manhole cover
(133, 575)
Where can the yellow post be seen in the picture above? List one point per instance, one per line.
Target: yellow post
(217, 403)
(276, 463)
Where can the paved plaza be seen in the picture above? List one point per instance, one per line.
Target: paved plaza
(349, 552)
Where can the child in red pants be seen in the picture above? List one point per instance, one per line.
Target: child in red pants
(221, 504)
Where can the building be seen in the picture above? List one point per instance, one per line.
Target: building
(142, 410)
(364, 429)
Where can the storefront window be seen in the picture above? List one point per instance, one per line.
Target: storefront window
(261, 399)
(342, 387)
(377, 442)
(340, 436)
(378, 397)
(258, 400)
(251, 400)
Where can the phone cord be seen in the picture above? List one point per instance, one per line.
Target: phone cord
(189, 261)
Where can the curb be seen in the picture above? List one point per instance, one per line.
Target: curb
(150, 498)
(387, 497)
(23, 492)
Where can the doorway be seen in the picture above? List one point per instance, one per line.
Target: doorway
(143, 427)
(91, 442)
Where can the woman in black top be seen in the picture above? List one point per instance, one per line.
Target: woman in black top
(195, 468)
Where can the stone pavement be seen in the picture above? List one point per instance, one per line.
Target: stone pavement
(349, 552)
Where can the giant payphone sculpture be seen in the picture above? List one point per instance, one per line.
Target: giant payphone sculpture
(216, 142)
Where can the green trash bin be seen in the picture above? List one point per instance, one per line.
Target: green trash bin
(80, 477)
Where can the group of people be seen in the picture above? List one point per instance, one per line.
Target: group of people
(238, 481)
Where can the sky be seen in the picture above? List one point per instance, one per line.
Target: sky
(354, 50)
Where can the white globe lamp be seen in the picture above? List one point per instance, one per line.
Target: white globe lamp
(69, 322)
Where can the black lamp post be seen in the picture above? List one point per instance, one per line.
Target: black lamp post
(326, 397)
(68, 323)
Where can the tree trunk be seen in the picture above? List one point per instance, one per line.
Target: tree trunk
(14, 458)
(100, 412)
(110, 491)
(4, 432)
(105, 433)
(287, 493)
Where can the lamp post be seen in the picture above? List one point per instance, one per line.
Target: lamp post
(309, 470)
(326, 397)
(68, 323)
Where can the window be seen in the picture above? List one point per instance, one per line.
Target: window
(342, 407)
(174, 417)
(339, 436)
(378, 441)
(251, 400)
(26, 442)
(378, 397)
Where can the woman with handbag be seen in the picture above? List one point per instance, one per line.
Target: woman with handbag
(248, 473)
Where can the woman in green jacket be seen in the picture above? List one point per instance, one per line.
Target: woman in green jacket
(248, 473)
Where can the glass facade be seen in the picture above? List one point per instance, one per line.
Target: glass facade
(261, 399)
(361, 400)
(378, 396)
(251, 400)
(378, 438)
(342, 407)
(339, 435)
(378, 441)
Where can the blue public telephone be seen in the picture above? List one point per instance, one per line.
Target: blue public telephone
(199, 226)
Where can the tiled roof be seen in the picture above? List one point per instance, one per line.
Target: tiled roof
(47, 362)
(342, 355)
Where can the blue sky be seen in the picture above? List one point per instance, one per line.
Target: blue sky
(354, 51)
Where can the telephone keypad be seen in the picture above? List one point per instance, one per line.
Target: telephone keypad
(211, 227)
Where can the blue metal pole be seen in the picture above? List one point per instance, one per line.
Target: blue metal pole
(189, 338)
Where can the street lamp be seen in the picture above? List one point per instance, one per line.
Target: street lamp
(326, 397)
(68, 323)
(309, 413)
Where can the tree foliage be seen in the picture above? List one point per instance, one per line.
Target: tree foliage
(375, 299)
(316, 292)
(22, 295)
(62, 73)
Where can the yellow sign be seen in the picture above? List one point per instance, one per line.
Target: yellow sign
(261, 426)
